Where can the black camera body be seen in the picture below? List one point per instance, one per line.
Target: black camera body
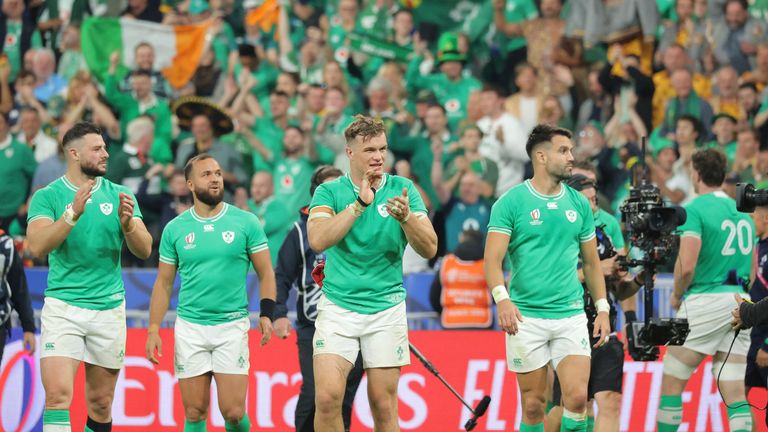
(652, 228)
(643, 340)
(747, 197)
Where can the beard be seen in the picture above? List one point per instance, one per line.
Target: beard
(92, 170)
(562, 174)
(208, 198)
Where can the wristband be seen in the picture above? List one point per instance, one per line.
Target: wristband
(69, 216)
(602, 305)
(267, 307)
(630, 316)
(499, 293)
(361, 202)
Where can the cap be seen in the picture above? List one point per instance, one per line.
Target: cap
(724, 115)
(580, 182)
(426, 96)
(448, 48)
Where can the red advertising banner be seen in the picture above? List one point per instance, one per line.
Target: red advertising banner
(147, 397)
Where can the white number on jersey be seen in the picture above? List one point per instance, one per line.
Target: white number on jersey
(741, 231)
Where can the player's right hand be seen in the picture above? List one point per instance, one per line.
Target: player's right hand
(509, 316)
(154, 343)
(282, 327)
(366, 193)
(82, 196)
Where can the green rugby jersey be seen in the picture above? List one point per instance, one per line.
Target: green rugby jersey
(213, 258)
(84, 270)
(727, 238)
(544, 245)
(364, 271)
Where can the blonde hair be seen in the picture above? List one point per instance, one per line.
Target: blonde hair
(364, 128)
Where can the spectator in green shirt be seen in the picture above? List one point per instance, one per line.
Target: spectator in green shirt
(275, 218)
(141, 101)
(17, 34)
(17, 167)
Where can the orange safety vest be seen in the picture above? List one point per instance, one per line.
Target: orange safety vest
(465, 298)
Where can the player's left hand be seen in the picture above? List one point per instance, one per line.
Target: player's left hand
(762, 358)
(29, 342)
(126, 211)
(265, 327)
(736, 321)
(602, 329)
(399, 207)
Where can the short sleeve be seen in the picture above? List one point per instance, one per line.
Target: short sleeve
(587, 232)
(40, 206)
(692, 225)
(415, 201)
(168, 252)
(323, 198)
(256, 239)
(502, 218)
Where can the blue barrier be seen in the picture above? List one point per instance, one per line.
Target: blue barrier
(139, 282)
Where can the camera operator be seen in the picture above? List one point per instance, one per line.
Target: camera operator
(713, 264)
(608, 360)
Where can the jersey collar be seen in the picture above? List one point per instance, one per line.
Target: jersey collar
(71, 186)
(214, 218)
(533, 191)
(357, 189)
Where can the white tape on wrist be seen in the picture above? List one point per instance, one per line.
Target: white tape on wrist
(69, 216)
(499, 293)
(602, 305)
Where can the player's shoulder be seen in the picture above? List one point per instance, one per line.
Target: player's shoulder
(52, 188)
(236, 213)
(110, 187)
(179, 221)
(396, 181)
(514, 193)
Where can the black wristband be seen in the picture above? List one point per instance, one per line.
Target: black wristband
(267, 307)
(630, 316)
(362, 203)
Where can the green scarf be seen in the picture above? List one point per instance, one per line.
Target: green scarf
(691, 106)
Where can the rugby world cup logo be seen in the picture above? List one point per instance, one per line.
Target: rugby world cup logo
(189, 239)
(535, 215)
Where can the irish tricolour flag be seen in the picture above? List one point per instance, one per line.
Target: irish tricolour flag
(177, 48)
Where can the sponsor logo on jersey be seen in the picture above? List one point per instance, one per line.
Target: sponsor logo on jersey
(208, 228)
(189, 239)
(228, 236)
(106, 208)
(535, 215)
(9, 153)
(287, 181)
(552, 205)
(10, 39)
(471, 224)
(571, 215)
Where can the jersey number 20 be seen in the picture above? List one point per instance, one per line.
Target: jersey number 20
(742, 231)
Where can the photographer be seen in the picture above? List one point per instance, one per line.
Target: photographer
(713, 264)
(295, 263)
(608, 360)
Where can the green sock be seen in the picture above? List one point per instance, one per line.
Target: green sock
(56, 421)
(198, 426)
(243, 426)
(550, 405)
(670, 413)
(87, 429)
(590, 423)
(740, 418)
(532, 428)
(572, 425)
